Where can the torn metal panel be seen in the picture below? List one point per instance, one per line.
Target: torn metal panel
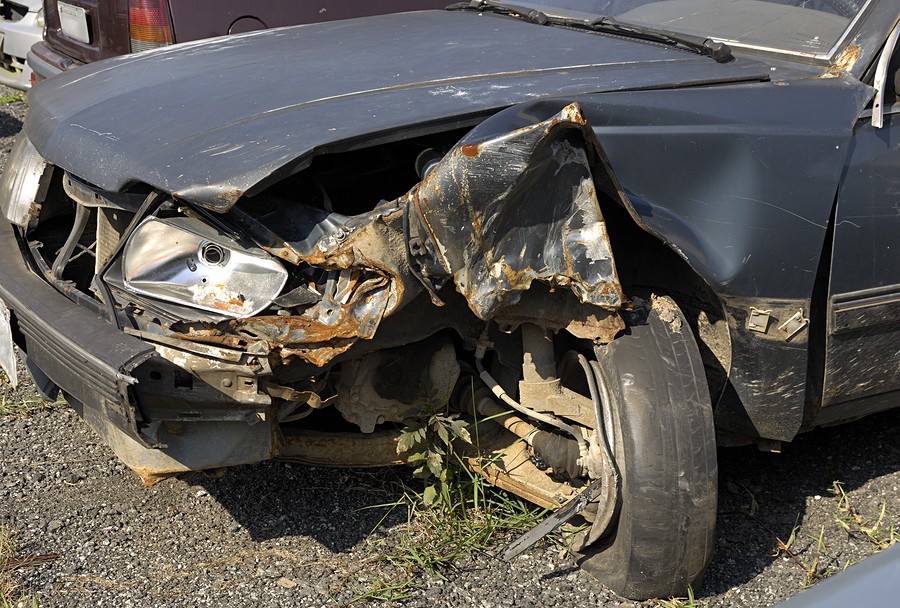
(497, 215)
(322, 331)
(502, 211)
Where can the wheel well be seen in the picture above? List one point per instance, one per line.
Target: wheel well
(647, 265)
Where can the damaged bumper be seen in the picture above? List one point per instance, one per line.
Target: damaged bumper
(98, 368)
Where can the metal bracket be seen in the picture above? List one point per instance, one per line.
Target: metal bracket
(552, 522)
(793, 325)
(758, 320)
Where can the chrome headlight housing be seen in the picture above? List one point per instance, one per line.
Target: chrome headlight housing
(24, 183)
(185, 261)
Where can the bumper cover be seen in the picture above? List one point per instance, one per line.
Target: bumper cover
(18, 37)
(54, 332)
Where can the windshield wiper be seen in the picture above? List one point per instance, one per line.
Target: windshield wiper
(719, 51)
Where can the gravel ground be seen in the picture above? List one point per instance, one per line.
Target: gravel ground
(277, 534)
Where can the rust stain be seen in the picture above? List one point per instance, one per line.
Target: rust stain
(150, 476)
(602, 330)
(297, 330)
(212, 336)
(470, 150)
(229, 196)
(284, 251)
(293, 336)
(510, 467)
(844, 62)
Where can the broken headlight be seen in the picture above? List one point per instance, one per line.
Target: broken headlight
(24, 183)
(185, 261)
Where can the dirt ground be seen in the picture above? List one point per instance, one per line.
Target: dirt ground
(277, 534)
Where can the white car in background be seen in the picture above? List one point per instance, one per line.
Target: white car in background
(21, 25)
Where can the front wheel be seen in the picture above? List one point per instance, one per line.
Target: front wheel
(663, 441)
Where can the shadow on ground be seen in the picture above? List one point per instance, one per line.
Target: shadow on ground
(336, 507)
(783, 485)
(9, 124)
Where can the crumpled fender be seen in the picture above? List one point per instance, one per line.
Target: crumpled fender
(514, 202)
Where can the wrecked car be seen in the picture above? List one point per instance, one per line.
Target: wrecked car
(626, 239)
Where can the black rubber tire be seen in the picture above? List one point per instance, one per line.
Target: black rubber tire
(663, 537)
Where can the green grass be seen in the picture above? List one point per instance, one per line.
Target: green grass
(457, 515)
(11, 98)
(438, 537)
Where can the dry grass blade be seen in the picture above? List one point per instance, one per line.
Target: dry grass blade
(855, 525)
(11, 593)
(15, 409)
(682, 602)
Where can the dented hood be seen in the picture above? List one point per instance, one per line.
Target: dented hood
(217, 119)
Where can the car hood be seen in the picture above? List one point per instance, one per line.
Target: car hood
(214, 120)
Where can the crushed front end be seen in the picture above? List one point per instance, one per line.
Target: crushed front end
(315, 319)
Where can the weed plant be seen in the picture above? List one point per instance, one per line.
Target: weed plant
(456, 515)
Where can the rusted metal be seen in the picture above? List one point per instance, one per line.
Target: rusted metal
(286, 393)
(504, 210)
(556, 309)
(310, 339)
(512, 218)
(177, 341)
(560, 453)
(510, 467)
(340, 449)
(844, 63)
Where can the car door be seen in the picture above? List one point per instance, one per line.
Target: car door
(863, 331)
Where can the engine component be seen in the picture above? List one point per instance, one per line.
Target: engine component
(395, 384)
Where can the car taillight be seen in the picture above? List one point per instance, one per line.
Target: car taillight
(150, 24)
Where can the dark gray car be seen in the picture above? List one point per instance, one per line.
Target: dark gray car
(627, 239)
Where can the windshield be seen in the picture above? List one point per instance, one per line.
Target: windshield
(808, 27)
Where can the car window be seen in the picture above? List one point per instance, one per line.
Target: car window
(808, 27)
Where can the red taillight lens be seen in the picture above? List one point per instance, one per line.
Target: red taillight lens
(150, 24)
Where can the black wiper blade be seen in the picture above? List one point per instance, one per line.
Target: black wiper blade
(520, 12)
(719, 51)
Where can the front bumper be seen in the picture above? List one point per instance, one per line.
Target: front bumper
(97, 365)
(77, 350)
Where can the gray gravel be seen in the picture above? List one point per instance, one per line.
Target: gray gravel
(277, 534)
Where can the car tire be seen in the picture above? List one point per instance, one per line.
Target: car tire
(664, 446)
